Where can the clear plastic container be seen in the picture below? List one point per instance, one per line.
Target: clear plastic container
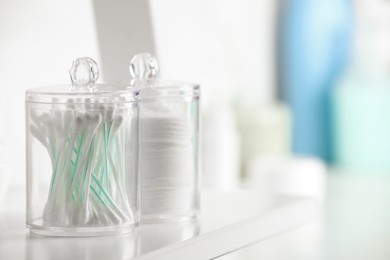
(82, 156)
(169, 149)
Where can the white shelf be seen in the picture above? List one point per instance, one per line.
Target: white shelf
(229, 221)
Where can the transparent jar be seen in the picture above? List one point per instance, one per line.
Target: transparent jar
(82, 156)
(169, 144)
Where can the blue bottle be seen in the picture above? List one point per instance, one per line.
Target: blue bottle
(314, 40)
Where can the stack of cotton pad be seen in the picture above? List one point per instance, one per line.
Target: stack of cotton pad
(166, 165)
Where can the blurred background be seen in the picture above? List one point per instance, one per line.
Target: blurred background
(295, 94)
(287, 84)
(291, 89)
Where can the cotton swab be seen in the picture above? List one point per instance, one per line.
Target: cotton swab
(80, 193)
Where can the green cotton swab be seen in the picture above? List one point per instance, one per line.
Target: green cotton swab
(80, 182)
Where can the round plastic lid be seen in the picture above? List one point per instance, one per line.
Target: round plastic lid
(144, 71)
(84, 73)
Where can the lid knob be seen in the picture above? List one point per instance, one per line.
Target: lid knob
(143, 66)
(84, 72)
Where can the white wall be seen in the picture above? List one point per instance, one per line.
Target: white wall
(228, 47)
(38, 41)
(225, 45)
(124, 29)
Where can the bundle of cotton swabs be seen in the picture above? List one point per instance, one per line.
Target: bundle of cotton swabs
(86, 147)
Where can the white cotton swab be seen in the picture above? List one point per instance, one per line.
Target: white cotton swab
(74, 140)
